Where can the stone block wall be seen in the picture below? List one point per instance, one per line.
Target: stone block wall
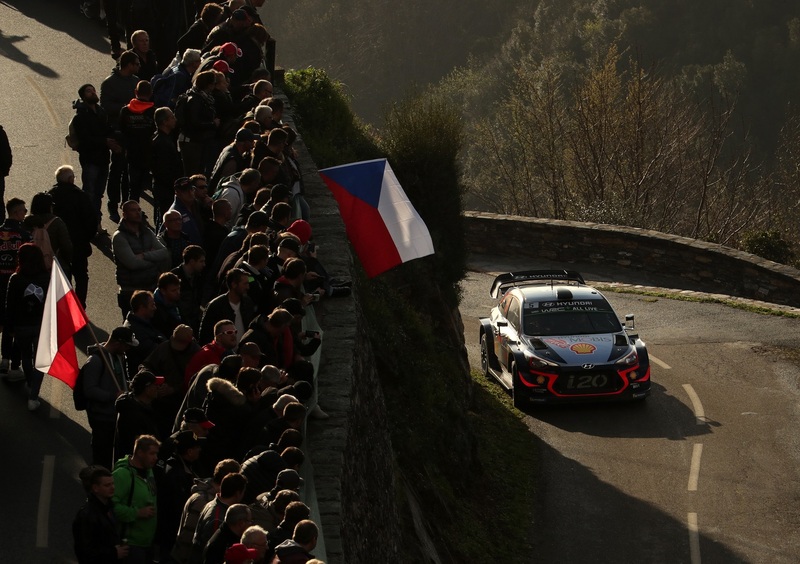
(700, 265)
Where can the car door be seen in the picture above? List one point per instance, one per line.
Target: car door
(509, 335)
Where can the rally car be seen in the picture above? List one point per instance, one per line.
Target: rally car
(553, 339)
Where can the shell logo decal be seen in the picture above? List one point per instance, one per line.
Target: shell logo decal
(583, 348)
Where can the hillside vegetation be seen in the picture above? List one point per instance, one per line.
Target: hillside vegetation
(673, 116)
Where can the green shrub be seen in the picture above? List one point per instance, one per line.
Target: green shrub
(769, 245)
(332, 133)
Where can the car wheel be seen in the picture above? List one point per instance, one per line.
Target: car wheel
(520, 399)
(485, 356)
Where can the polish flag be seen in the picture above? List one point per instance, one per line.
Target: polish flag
(382, 224)
(63, 317)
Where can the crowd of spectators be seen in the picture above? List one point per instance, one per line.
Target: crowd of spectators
(198, 399)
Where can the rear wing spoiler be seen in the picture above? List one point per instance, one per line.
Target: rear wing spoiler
(526, 277)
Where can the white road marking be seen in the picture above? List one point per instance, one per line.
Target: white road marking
(694, 539)
(45, 494)
(694, 469)
(47, 105)
(699, 413)
(661, 363)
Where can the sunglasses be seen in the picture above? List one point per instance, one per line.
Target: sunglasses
(229, 332)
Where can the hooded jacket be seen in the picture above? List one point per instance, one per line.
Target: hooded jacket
(137, 124)
(131, 493)
(227, 407)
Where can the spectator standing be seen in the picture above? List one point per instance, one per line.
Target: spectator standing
(198, 125)
(138, 255)
(233, 158)
(75, 208)
(148, 62)
(95, 141)
(116, 91)
(172, 236)
(167, 297)
(137, 125)
(42, 216)
(102, 388)
(239, 191)
(24, 307)
(13, 235)
(195, 36)
(140, 320)
(203, 491)
(211, 518)
(135, 498)
(94, 530)
(175, 80)
(234, 305)
(166, 162)
(186, 204)
(190, 274)
(237, 519)
(225, 339)
(135, 415)
(298, 548)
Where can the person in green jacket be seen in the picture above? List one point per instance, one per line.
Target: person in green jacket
(135, 498)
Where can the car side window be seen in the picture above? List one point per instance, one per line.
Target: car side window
(513, 314)
(504, 305)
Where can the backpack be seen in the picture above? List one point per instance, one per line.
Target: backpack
(71, 138)
(41, 238)
(163, 86)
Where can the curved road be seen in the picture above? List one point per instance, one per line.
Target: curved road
(705, 470)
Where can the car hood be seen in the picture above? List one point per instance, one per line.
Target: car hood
(582, 349)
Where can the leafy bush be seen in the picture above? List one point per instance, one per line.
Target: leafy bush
(332, 133)
(769, 245)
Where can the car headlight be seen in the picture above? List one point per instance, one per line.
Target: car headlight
(630, 359)
(538, 363)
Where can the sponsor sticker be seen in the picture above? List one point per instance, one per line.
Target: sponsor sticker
(583, 348)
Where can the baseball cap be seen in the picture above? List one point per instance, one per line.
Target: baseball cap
(187, 439)
(245, 134)
(125, 336)
(197, 415)
(302, 229)
(143, 379)
(229, 48)
(239, 553)
(222, 66)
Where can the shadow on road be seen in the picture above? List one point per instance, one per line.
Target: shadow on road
(662, 415)
(9, 50)
(582, 519)
(63, 16)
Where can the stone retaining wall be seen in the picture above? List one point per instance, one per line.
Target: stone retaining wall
(700, 265)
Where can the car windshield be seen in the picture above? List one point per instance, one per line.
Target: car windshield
(552, 323)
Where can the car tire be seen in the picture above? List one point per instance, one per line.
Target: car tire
(485, 362)
(520, 400)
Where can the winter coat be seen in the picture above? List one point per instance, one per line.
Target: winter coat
(116, 91)
(202, 493)
(58, 232)
(220, 308)
(227, 407)
(192, 222)
(211, 519)
(75, 208)
(149, 338)
(229, 162)
(210, 354)
(131, 493)
(191, 297)
(167, 316)
(137, 124)
(134, 273)
(199, 126)
(92, 129)
(219, 542)
(98, 385)
(261, 472)
(95, 532)
(165, 160)
(171, 364)
(134, 418)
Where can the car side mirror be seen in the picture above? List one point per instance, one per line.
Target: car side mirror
(502, 323)
(630, 322)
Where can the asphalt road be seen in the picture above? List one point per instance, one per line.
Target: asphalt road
(673, 480)
(47, 51)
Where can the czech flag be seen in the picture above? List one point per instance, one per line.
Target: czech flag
(382, 224)
(63, 317)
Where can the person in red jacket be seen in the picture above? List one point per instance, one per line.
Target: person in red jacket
(225, 339)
